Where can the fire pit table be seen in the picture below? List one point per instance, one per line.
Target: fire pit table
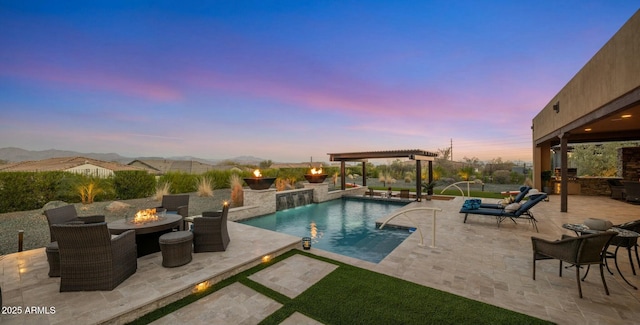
(147, 232)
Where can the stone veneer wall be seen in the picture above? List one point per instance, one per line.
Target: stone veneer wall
(261, 202)
(629, 163)
(594, 186)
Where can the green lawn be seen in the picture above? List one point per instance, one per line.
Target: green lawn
(351, 295)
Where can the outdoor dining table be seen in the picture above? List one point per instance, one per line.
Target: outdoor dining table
(579, 228)
(147, 234)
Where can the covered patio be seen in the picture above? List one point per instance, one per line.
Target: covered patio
(600, 104)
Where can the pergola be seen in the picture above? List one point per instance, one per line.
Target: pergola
(413, 154)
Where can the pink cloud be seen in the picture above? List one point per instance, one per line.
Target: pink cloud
(92, 79)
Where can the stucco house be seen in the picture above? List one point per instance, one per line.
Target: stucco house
(601, 103)
(79, 165)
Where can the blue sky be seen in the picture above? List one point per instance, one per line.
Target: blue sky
(290, 80)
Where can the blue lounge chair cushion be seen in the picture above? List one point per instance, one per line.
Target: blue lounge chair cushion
(471, 204)
(501, 214)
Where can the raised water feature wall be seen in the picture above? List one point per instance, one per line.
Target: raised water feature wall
(261, 202)
(293, 198)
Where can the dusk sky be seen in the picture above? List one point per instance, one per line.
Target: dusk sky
(290, 80)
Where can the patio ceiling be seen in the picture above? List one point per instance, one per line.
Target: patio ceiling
(617, 121)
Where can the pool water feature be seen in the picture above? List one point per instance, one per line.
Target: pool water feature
(345, 226)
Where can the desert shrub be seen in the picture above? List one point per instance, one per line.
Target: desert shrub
(205, 187)
(237, 193)
(133, 184)
(180, 182)
(408, 177)
(162, 189)
(88, 189)
(502, 177)
(220, 178)
(517, 178)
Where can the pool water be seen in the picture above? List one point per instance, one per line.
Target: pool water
(345, 226)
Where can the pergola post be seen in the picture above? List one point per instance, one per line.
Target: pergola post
(430, 171)
(564, 164)
(364, 173)
(418, 180)
(343, 182)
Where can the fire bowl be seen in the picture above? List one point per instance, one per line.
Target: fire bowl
(315, 178)
(259, 183)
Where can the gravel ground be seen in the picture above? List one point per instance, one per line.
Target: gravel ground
(36, 229)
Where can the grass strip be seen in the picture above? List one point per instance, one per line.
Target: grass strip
(352, 295)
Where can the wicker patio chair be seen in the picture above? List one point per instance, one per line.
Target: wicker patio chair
(210, 231)
(632, 191)
(91, 260)
(63, 215)
(177, 203)
(68, 214)
(628, 242)
(582, 250)
(404, 194)
(617, 189)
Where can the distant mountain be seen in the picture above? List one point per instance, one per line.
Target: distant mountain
(17, 154)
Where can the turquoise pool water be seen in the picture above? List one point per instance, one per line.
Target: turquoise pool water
(344, 226)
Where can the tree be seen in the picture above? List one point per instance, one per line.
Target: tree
(444, 153)
(597, 159)
(265, 164)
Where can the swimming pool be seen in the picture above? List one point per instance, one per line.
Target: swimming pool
(345, 226)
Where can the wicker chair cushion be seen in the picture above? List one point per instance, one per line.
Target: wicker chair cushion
(598, 224)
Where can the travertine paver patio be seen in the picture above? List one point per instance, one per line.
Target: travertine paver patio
(293, 275)
(477, 260)
(238, 304)
(24, 281)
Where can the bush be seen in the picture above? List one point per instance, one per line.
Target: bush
(237, 193)
(21, 191)
(205, 187)
(133, 184)
(502, 177)
(220, 178)
(180, 182)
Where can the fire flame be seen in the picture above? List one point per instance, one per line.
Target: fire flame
(257, 173)
(316, 172)
(144, 216)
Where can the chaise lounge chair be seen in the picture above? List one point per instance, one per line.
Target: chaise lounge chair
(523, 211)
(523, 191)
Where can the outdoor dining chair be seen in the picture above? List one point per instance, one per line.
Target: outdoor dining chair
(90, 259)
(63, 215)
(210, 231)
(629, 242)
(176, 203)
(578, 251)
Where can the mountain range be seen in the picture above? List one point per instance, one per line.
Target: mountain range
(12, 155)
